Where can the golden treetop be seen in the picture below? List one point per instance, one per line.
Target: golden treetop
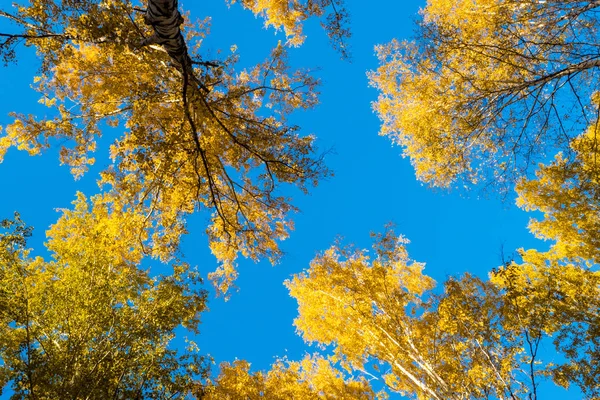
(227, 149)
(488, 87)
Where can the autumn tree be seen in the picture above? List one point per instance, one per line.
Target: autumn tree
(92, 323)
(198, 134)
(474, 339)
(205, 136)
(567, 192)
(312, 378)
(490, 87)
(487, 91)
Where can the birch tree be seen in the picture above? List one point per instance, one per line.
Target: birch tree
(488, 88)
(92, 323)
(472, 339)
(194, 134)
(313, 378)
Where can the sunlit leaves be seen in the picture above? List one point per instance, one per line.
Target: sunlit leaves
(488, 87)
(476, 339)
(487, 90)
(313, 378)
(558, 299)
(180, 149)
(290, 15)
(568, 193)
(92, 323)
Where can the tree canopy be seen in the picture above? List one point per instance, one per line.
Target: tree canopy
(227, 149)
(91, 323)
(489, 88)
(494, 92)
(476, 339)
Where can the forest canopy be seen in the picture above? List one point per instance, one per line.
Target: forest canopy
(495, 94)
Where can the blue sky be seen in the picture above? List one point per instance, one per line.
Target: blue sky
(373, 185)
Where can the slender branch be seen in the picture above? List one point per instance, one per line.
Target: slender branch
(40, 36)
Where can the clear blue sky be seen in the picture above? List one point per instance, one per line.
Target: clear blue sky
(373, 185)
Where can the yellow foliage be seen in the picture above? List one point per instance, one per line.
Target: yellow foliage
(226, 151)
(477, 95)
(471, 341)
(550, 296)
(91, 323)
(567, 192)
(290, 15)
(313, 378)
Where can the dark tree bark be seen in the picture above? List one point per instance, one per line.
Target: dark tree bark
(165, 19)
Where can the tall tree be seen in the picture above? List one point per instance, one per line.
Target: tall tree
(91, 323)
(476, 339)
(490, 87)
(206, 136)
